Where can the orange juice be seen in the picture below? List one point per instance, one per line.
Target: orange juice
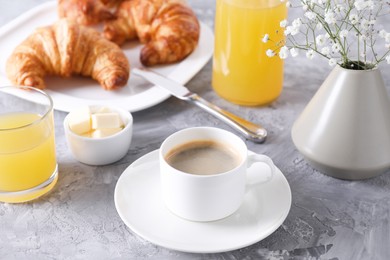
(242, 72)
(27, 155)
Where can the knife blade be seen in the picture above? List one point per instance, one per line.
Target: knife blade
(249, 130)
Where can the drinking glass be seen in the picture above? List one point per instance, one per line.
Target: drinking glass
(242, 72)
(28, 166)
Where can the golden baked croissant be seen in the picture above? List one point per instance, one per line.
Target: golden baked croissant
(169, 29)
(111, 3)
(86, 12)
(67, 48)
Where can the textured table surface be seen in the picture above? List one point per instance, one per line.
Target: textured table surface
(329, 218)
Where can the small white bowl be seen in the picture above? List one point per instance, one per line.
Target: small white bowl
(101, 151)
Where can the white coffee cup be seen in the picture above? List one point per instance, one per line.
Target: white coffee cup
(206, 197)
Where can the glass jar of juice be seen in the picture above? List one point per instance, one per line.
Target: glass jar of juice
(28, 167)
(242, 72)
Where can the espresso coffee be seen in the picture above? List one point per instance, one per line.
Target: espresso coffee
(203, 157)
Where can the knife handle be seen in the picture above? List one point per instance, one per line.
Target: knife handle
(251, 131)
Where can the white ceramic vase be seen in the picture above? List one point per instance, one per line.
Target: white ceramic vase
(344, 131)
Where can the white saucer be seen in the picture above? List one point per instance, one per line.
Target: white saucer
(139, 204)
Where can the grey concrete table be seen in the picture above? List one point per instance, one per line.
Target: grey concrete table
(329, 218)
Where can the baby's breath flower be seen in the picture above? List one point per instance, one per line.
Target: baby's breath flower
(283, 52)
(336, 47)
(310, 54)
(320, 39)
(343, 31)
(353, 18)
(325, 51)
(387, 37)
(382, 33)
(291, 30)
(343, 34)
(283, 23)
(287, 31)
(364, 24)
(360, 5)
(330, 17)
(265, 38)
(339, 9)
(332, 62)
(270, 53)
(370, 4)
(297, 23)
(310, 15)
(294, 52)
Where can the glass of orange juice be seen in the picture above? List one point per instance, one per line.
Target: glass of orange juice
(28, 166)
(242, 72)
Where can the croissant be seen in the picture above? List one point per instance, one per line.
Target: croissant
(85, 12)
(168, 28)
(67, 48)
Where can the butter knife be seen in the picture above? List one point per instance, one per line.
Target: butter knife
(249, 130)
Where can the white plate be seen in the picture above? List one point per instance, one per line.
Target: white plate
(77, 91)
(139, 204)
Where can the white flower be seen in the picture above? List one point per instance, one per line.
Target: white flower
(325, 51)
(332, 62)
(382, 33)
(353, 18)
(360, 5)
(287, 31)
(291, 30)
(288, 4)
(330, 17)
(294, 31)
(305, 7)
(343, 34)
(370, 4)
(294, 52)
(336, 47)
(364, 24)
(339, 8)
(283, 23)
(270, 53)
(297, 23)
(283, 52)
(265, 38)
(388, 59)
(320, 39)
(310, 15)
(310, 54)
(387, 37)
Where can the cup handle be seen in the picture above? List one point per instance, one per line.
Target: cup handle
(261, 158)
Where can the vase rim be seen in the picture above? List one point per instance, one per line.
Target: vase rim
(352, 70)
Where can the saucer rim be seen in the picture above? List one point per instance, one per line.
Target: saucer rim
(219, 249)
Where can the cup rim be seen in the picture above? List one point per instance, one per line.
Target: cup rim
(38, 120)
(242, 161)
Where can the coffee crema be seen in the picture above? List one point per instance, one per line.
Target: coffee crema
(203, 157)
